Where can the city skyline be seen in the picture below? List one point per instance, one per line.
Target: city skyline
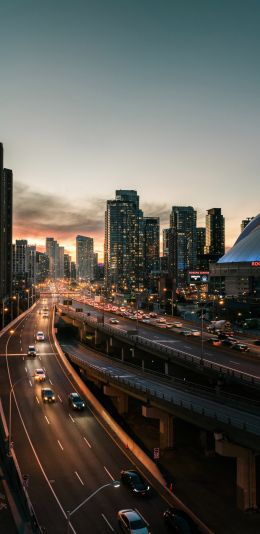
(162, 100)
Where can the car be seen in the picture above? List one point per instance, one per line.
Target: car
(113, 321)
(179, 522)
(214, 341)
(135, 482)
(185, 332)
(76, 402)
(45, 314)
(32, 351)
(153, 315)
(146, 321)
(48, 395)
(161, 320)
(132, 522)
(177, 324)
(39, 375)
(241, 347)
(40, 336)
(227, 343)
(195, 332)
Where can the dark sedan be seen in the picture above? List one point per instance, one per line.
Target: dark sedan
(179, 522)
(135, 482)
(241, 347)
(76, 402)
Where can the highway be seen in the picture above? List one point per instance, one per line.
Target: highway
(217, 408)
(173, 339)
(67, 455)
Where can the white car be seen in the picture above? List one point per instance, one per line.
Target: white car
(131, 522)
(39, 375)
(177, 324)
(194, 332)
(45, 314)
(40, 336)
(113, 321)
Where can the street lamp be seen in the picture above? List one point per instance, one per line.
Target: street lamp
(28, 298)
(114, 484)
(4, 309)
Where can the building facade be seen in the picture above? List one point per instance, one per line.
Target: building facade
(85, 257)
(215, 234)
(151, 236)
(124, 242)
(182, 244)
(6, 224)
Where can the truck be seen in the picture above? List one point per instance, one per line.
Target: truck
(220, 326)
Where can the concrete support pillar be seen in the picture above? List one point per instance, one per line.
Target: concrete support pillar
(246, 472)
(107, 345)
(98, 337)
(122, 354)
(166, 425)
(119, 398)
(132, 351)
(166, 368)
(143, 365)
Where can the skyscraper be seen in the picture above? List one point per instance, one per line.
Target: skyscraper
(67, 262)
(215, 234)
(151, 232)
(6, 221)
(85, 257)
(52, 250)
(202, 258)
(182, 244)
(123, 252)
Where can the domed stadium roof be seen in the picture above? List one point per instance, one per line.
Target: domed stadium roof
(247, 245)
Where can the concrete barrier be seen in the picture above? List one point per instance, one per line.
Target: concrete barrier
(10, 325)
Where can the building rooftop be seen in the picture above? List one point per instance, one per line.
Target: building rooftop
(247, 245)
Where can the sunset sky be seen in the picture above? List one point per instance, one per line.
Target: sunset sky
(158, 96)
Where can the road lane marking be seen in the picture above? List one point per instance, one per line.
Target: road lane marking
(50, 382)
(109, 474)
(47, 419)
(30, 383)
(80, 479)
(60, 445)
(107, 522)
(37, 399)
(87, 442)
(59, 398)
(26, 370)
(21, 349)
(73, 421)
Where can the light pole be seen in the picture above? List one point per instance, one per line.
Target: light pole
(114, 484)
(28, 298)
(4, 309)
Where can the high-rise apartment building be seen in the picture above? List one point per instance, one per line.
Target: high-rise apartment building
(42, 267)
(6, 222)
(182, 244)
(215, 234)
(123, 253)
(53, 252)
(202, 258)
(67, 262)
(85, 257)
(151, 235)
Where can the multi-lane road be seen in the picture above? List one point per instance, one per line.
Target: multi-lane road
(173, 339)
(67, 455)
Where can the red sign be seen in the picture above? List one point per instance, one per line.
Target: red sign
(255, 263)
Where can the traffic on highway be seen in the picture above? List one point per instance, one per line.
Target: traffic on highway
(67, 454)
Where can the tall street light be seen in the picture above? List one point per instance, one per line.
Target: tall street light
(114, 484)
(28, 298)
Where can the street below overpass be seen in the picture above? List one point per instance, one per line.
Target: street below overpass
(66, 455)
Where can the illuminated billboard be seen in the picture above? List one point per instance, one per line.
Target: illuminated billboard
(199, 277)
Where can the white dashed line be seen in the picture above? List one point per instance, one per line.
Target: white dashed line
(73, 421)
(109, 474)
(47, 419)
(37, 399)
(26, 370)
(60, 398)
(50, 382)
(107, 522)
(30, 383)
(80, 479)
(60, 445)
(87, 442)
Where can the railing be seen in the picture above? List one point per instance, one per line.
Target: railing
(214, 410)
(137, 340)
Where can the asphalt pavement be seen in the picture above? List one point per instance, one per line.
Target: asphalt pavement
(66, 455)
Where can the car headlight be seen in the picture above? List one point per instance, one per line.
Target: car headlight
(45, 398)
(83, 404)
(53, 397)
(74, 405)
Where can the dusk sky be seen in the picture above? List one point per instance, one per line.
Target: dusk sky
(158, 96)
